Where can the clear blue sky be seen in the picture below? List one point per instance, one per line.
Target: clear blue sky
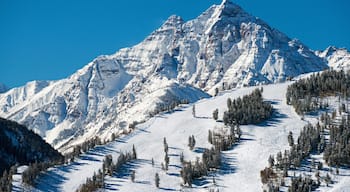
(51, 39)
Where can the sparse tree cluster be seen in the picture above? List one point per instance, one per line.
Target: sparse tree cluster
(168, 106)
(6, 180)
(310, 141)
(337, 152)
(302, 184)
(211, 159)
(267, 174)
(94, 183)
(306, 94)
(251, 109)
(33, 171)
(191, 142)
(223, 140)
(82, 148)
(108, 167)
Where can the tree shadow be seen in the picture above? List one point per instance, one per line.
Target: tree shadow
(275, 119)
(167, 189)
(228, 165)
(199, 150)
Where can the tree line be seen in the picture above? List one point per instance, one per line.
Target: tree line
(307, 94)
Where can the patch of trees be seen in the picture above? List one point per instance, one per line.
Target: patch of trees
(306, 94)
(168, 107)
(221, 139)
(94, 183)
(20, 145)
(33, 171)
(108, 167)
(82, 148)
(302, 184)
(224, 138)
(6, 180)
(337, 152)
(211, 159)
(250, 109)
(311, 140)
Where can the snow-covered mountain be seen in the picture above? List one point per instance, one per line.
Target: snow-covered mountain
(337, 58)
(3, 88)
(222, 48)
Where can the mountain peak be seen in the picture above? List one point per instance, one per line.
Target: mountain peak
(229, 8)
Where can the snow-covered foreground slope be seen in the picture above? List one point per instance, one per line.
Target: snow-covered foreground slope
(241, 164)
(222, 48)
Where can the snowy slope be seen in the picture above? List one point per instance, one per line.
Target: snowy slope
(224, 47)
(242, 164)
(337, 58)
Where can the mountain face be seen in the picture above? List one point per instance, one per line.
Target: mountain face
(20, 145)
(224, 47)
(337, 58)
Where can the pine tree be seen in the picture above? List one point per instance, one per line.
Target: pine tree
(216, 91)
(134, 155)
(271, 161)
(156, 180)
(182, 158)
(194, 110)
(166, 160)
(290, 139)
(132, 176)
(210, 137)
(216, 114)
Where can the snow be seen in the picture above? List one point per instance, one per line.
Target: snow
(241, 165)
(224, 47)
(338, 58)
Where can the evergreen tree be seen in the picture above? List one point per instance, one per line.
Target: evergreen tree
(216, 114)
(134, 155)
(194, 110)
(132, 177)
(156, 180)
(290, 139)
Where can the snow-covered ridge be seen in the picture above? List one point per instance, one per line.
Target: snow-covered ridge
(224, 47)
(337, 58)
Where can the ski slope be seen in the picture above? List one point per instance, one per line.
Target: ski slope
(241, 165)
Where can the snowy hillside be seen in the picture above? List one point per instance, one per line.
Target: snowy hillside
(338, 58)
(242, 163)
(224, 47)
